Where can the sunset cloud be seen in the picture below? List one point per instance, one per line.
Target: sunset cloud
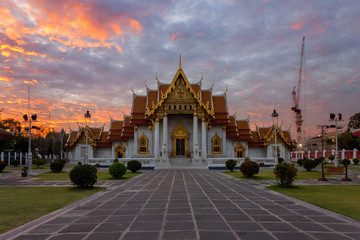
(87, 55)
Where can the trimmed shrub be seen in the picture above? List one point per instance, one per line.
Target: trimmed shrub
(97, 165)
(345, 162)
(134, 165)
(319, 160)
(300, 162)
(57, 166)
(309, 164)
(356, 161)
(79, 163)
(83, 176)
(249, 168)
(15, 162)
(2, 165)
(280, 160)
(230, 164)
(116, 160)
(285, 173)
(331, 158)
(117, 169)
(38, 162)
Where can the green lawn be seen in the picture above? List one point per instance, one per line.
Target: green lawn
(340, 199)
(64, 176)
(269, 175)
(20, 205)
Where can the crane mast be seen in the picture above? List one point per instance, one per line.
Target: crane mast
(296, 97)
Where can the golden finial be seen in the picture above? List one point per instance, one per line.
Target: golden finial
(146, 85)
(248, 117)
(157, 80)
(202, 76)
(180, 62)
(226, 90)
(132, 90)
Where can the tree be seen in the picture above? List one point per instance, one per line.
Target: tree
(347, 141)
(354, 121)
(11, 124)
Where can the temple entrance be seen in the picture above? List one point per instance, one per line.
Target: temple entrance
(180, 147)
(180, 141)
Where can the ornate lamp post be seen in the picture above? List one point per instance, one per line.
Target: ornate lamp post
(87, 116)
(29, 157)
(275, 115)
(333, 118)
(62, 147)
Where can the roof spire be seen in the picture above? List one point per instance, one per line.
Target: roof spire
(180, 62)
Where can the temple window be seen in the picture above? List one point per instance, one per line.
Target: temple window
(216, 145)
(190, 107)
(239, 151)
(169, 107)
(179, 107)
(143, 145)
(185, 107)
(174, 107)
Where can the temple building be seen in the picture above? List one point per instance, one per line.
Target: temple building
(178, 123)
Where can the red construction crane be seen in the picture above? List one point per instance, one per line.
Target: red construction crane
(296, 97)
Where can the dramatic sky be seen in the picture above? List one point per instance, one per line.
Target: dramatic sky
(88, 54)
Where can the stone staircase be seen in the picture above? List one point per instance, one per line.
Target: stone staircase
(180, 163)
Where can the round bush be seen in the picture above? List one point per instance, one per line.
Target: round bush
(57, 166)
(117, 169)
(356, 161)
(134, 165)
(285, 173)
(116, 160)
(345, 162)
(319, 160)
(300, 161)
(331, 157)
(38, 161)
(249, 168)
(309, 164)
(230, 164)
(280, 160)
(2, 165)
(83, 176)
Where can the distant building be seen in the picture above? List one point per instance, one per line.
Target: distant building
(179, 123)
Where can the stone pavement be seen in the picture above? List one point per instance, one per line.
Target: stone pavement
(188, 204)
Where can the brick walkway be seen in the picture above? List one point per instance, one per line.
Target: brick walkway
(188, 204)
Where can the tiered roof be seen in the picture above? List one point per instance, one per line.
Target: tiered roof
(264, 135)
(96, 137)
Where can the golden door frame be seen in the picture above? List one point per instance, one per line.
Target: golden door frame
(120, 148)
(179, 132)
(240, 148)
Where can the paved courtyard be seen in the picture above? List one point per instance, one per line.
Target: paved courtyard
(188, 204)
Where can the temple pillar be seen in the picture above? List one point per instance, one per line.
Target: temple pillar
(224, 141)
(135, 141)
(203, 138)
(196, 159)
(164, 158)
(156, 148)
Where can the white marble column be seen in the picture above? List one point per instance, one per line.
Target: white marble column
(156, 149)
(195, 135)
(203, 139)
(224, 141)
(165, 135)
(136, 137)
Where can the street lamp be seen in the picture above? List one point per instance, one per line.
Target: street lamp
(29, 157)
(339, 118)
(87, 116)
(62, 139)
(275, 115)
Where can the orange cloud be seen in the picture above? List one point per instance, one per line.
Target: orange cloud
(297, 26)
(4, 79)
(73, 23)
(175, 36)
